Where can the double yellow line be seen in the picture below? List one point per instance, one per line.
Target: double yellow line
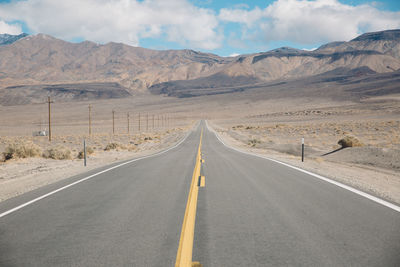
(185, 249)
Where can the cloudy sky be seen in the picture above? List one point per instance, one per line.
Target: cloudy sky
(223, 27)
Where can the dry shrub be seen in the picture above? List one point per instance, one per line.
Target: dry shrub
(237, 127)
(59, 152)
(21, 150)
(111, 146)
(349, 141)
(131, 148)
(253, 142)
(89, 151)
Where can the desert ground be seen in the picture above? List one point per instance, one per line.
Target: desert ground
(273, 127)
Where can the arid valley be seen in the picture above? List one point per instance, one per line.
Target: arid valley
(267, 117)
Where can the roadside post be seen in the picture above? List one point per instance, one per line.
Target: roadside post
(302, 149)
(49, 103)
(84, 152)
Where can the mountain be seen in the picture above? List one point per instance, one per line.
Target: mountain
(42, 60)
(385, 42)
(378, 52)
(6, 39)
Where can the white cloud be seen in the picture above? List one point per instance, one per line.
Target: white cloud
(308, 22)
(130, 21)
(9, 28)
(125, 21)
(241, 15)
(234, 55)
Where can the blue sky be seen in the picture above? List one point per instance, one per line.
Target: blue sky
(220, 27)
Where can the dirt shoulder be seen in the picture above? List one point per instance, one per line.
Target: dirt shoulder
(18, 176)
(371, 169)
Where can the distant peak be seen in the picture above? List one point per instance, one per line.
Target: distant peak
(15, 35)
(331, 45)
(6, 39)
(378, 36)
(44, 36)
(285, 49)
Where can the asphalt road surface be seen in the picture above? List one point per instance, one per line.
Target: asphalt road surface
(252, 212)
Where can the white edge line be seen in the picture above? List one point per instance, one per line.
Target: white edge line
(91, 176)
(349, 188)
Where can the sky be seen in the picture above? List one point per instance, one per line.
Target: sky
(224, 27)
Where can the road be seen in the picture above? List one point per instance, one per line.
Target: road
(251, 212)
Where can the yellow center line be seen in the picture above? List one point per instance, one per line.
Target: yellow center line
(202, 181)
(185, 249)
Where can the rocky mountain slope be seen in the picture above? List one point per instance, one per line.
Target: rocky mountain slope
(378, 51)
(369, 53)
(42, 59)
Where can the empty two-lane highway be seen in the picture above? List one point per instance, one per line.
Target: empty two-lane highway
(251, 212)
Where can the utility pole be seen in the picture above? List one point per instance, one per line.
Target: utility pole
(127, 116)
(49, 102)
(147, 122)
(153, 122)
(84, 152)
(139, 122)
(113, 115)
(90, 120)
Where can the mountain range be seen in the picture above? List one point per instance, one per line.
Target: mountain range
(40, 61)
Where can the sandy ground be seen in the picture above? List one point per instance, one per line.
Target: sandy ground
(372, 169)
(18, 176)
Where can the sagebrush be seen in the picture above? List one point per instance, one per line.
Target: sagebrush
(21, 150)
(89, 151)
(59, 152)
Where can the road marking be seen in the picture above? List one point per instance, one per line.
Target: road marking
(185, 249)
(89, 177)
(202, 181)
(349, 188)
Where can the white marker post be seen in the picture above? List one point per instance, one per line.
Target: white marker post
(84, 152)
(302, 149)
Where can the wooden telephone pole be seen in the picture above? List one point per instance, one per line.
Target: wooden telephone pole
(139, 123)
(147, 122)
(49, 102)
(127, 117)
(113, 117)
(90, 120)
